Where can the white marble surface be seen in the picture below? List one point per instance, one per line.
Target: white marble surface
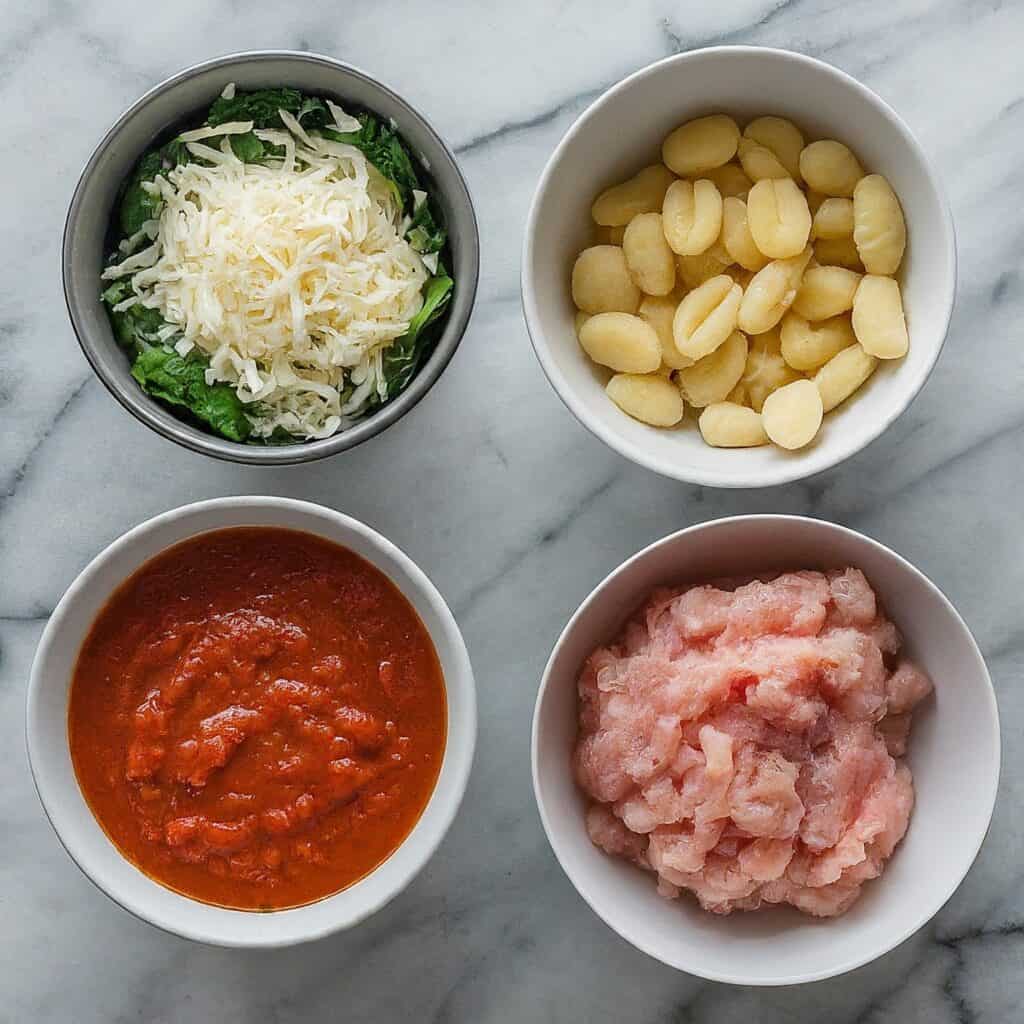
(510, 505)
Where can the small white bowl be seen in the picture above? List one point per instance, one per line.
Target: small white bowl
(953, 754)
(620, 133)
(73, 821)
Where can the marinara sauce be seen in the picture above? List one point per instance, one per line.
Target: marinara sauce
(257, 718)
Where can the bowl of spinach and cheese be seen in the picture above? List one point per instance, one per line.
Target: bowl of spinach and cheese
(270, 257)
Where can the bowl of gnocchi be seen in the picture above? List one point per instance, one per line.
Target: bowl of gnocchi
(739, 267)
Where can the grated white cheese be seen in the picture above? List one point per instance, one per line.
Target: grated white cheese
(343, 121)
(292, 278)
(208, 132)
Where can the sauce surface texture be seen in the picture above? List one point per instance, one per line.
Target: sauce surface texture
(257, 718)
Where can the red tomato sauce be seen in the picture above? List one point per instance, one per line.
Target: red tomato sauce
(257, 718)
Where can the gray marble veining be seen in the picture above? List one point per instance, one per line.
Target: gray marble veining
(510, 505)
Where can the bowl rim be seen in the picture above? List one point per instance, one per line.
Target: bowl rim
(591, 898)
(260, 937)
(139, 404)
(795, 469)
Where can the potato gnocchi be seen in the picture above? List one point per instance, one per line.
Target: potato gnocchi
(779, 218)
(650, 261)
(751, 275)
(692, 216)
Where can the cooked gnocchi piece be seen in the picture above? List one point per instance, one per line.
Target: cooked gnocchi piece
(601, 281)
(750, 275)
(736, 237)
(759, 162)
(833, 219)
(651, 263)
(779, 219)
(830, 167)
(693, 271)
(701, 144)
(650, 398)
(707, 316)
(621, 342)
(782, 138)
(806, 346)
(766, 371)
(730, 180)
(879, 230)
(659, 312)
(792, 415)
(692, 216)
(712, 378)
(878, 319)
(730, 425)
(771, 293)
(825, 292)
(643, 193)
(843, 375)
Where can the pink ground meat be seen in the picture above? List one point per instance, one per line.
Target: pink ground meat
(740, 740)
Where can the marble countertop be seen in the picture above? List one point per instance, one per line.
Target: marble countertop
(512, 507)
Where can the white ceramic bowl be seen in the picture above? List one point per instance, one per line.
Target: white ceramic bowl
(54, 774)
(620, 133)
(953, 753)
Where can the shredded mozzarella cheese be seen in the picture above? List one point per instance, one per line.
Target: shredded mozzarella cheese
(292, 278)
(208, 132)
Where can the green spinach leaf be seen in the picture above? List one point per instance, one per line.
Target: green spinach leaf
(402, 358)
(425, 234)
(181, 381)
(384, 149)
(247, 148)
(137, 205)
(260, 107)
(175, 153)
(117, 292)
(313, 113)
(134, 327)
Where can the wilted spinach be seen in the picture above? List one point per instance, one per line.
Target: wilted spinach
(262, 107)
(247, 148)
(402, 358)
(137, 204)
(425, 234)
(381, 145)
(181, 381)
(134, 327)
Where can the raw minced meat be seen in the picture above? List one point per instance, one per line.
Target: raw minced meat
(742, 740)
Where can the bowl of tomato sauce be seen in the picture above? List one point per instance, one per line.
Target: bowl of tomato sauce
(251, 721)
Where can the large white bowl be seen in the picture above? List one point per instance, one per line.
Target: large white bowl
(54, 774)
(953, 753)
(620, 133)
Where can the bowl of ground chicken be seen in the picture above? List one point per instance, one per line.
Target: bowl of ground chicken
(742, 744)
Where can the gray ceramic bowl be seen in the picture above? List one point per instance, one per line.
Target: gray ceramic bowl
(171, 105)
